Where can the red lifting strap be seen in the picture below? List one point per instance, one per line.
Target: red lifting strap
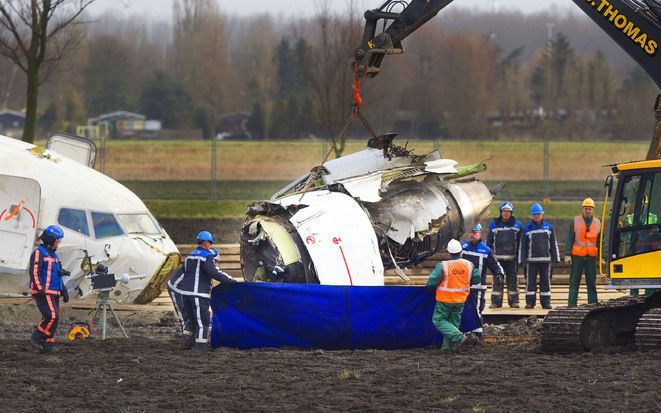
(357, 100)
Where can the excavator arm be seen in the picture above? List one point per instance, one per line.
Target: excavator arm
(635, 25)
(400, 23)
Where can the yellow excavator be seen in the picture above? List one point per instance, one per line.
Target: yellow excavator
(632, 249)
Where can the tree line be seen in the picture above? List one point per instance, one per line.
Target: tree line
(460, 77)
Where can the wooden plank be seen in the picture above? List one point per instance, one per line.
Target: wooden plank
(228, 249)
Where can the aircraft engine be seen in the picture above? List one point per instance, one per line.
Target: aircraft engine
(347, 221)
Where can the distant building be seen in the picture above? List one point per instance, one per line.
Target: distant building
(11, 123)
(123, 124)
(234, 125)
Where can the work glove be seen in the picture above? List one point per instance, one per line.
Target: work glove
(567, 259)
(64, 273)
(65, 295)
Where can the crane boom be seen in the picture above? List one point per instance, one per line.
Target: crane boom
(635, 25)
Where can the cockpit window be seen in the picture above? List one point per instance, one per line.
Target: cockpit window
(105, 225)
(139, 224)
(74, 219)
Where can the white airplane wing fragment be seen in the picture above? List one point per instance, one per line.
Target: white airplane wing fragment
(365, 188)
(441, 166)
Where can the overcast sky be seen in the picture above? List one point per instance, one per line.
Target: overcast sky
(162, 9)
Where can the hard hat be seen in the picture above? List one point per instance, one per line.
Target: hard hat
(54, 232)
(204, 236)
(536, 209)
(454, 246)
(477, 228)
(506, 206)
(588, 202)
(50, 234)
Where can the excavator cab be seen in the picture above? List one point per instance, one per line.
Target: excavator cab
(634, 250)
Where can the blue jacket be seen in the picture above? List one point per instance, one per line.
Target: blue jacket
(538, 244)
(482, 258)
(504, 238)
(44, 270)
(195, 275)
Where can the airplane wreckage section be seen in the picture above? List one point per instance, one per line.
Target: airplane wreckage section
(347, 220)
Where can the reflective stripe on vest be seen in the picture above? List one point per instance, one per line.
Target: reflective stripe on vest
(585, 242)
(455, 287)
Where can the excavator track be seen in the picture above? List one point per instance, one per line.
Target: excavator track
(609, 325)
(648, 331)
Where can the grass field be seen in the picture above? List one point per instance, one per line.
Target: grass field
(173, 176)
(286, 160)
(258, 190)
(237, 209)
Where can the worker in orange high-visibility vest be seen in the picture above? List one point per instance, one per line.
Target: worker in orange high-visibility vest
(452, 280)
(582, 250)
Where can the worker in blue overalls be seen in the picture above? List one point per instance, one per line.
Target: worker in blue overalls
(190, 290)
(46, 285)
(477, 252)
(537, 251)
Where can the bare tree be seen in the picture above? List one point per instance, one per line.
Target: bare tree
(35, 35)
(332, 75)
(200, 55)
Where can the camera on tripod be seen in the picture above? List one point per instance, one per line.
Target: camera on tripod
(101, 280)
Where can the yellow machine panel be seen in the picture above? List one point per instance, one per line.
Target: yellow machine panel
(640, 165)
(637, 266)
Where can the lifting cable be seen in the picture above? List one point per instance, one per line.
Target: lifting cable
(356, 104)
(355, 111)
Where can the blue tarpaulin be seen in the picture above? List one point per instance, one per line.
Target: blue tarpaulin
(268, 315)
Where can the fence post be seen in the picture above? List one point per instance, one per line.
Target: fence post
(214, 175)
(547, 156)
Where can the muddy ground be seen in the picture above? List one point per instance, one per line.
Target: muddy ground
(147, 373)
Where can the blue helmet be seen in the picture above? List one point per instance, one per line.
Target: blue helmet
(536, 209)
(204, 236)
(50, 234)
(477, 228)
(506, 206)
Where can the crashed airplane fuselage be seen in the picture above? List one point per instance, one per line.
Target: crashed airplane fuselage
(102, 220)
(349, 219)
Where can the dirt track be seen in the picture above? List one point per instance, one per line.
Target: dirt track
(148, 373)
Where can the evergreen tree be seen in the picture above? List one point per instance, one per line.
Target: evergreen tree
(255, 123)
(165, 99)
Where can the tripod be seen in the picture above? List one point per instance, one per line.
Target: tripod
(103, 305)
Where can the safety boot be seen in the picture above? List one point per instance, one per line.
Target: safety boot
(38, 345)
(457, 344)
(201, 347)
(48, 348)
(187, 340)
